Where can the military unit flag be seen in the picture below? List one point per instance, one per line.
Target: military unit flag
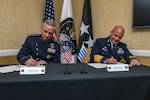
(67, 31)
(86, 30)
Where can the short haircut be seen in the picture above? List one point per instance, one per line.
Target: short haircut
(49, 22)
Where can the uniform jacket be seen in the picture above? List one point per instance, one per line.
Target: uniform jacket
(102, 50)
(38, 49)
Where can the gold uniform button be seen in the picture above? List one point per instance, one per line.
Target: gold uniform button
(48, 56)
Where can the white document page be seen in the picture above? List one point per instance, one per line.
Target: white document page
(101, 65)
(97, 65)
(11, 68)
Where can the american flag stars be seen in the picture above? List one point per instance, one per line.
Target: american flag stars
(49, 10)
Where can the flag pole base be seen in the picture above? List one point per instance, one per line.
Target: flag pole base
(83, 72)
(67, 72)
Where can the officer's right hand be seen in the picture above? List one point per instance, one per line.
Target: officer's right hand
(31, 62)
(111, 61)
(41, 62)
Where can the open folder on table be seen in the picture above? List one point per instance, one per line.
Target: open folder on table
(10, 68)
(27, 69)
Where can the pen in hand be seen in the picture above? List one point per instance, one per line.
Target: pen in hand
(114, 61)
(111, 60)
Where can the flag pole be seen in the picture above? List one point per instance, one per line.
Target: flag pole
(67, 71)
(83, 71)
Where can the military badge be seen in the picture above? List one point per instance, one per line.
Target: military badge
(104, 49)
(52, 45)
(51, 50)
(120, 51)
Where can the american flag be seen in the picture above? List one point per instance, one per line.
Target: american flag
(82, 53)
(68, 55)
(49, 10)
(49, 14)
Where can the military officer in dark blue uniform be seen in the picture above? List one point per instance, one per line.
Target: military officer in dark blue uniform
(110, 50)
(40, 49)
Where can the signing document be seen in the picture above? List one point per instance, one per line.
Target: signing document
(111, 67)
(7, 69)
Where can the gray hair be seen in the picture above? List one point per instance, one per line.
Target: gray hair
(49, 22)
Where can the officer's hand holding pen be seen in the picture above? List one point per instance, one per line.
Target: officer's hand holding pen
(31, 62)
(111, 61)
(41, 62)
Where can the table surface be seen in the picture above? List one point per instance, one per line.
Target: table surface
(97, 83)
(56, 72)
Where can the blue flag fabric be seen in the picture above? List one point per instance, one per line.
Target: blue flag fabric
(82, 53)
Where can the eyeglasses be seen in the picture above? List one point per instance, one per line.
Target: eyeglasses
(48, 32)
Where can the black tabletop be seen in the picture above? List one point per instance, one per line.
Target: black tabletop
(97, 84)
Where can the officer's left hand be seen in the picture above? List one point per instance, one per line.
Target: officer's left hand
(134, 62)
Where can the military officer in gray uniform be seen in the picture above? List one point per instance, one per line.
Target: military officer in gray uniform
(110, 50)
(40, 49)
